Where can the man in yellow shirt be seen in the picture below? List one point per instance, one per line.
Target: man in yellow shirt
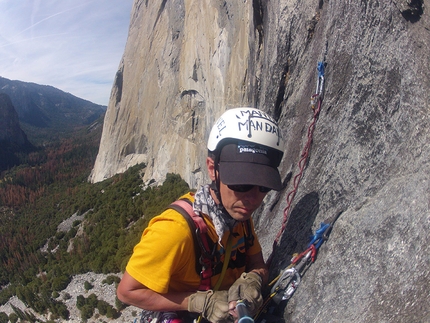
(244, 151)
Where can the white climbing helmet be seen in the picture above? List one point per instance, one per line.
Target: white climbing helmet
(248, 147)
(247, 124)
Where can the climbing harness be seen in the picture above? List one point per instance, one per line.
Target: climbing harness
(199, 229)
(204, 254)
(158, 317)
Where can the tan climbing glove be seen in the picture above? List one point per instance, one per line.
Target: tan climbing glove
(213, 306)
(248, 288)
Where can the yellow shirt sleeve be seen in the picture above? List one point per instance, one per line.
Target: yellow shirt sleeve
(164, 259)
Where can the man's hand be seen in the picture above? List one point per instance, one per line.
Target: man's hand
(213, 306)
(248, 288)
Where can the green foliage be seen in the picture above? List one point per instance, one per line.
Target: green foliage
(112, 313)
(59, 309)
(13, 318)
(60, 282)
(111, 279)
(24, 316)
(102, 306)
(88, 286)
(86, 312)
(6, 293)
(88, 305)
(119, 305)
(80, 301)
(37, 197)
(76, 223)
(4, 318)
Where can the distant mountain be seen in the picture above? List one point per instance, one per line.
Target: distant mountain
(13, 140)
(46, 107)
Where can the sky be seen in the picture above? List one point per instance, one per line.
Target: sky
(73, 45)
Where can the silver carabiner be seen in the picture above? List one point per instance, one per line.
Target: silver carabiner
(286, 285)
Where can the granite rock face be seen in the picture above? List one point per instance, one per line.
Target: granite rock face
(187, 61)
(184, 63)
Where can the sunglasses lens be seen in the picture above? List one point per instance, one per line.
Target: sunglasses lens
(240, 188)
(247, 188)
(264, 189)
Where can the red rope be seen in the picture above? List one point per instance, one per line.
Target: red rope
(302, 165)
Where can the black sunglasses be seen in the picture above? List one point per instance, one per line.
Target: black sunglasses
(247, 188)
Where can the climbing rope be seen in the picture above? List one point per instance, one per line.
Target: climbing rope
(316, 102)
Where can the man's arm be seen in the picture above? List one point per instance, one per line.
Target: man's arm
(131, 292)
(212, 305)
(256, 264)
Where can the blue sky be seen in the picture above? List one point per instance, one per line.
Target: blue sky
(73, 45)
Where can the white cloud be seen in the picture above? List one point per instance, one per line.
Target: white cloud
(74, 45)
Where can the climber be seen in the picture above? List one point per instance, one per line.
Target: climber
(244, 152)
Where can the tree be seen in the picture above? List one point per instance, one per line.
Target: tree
(88, 285)
(80, 301)
(86, 312)
(102, 306)
(13, 318)
(4, 318)
(60, 282)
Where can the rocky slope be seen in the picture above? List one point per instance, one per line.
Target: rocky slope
(68, 296)
(186, 61)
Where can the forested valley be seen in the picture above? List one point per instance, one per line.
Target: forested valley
(37, 259)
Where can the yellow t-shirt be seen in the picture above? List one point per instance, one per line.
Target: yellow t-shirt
(164, 260)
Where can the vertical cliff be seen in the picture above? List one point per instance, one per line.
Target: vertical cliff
(10, 130)
(184, 63)
(187, 61)
(13, 140)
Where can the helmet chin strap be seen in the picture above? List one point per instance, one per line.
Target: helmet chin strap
(230, 222)
(214, 188)
(215, 185)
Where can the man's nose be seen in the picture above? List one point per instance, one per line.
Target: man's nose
(253, 195)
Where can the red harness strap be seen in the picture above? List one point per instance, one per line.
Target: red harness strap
(199, 231)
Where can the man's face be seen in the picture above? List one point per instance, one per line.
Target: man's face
(240, 205)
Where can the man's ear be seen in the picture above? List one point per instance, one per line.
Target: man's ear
(211, 168)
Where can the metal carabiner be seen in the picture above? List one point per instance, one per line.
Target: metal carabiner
(320, 81)
(286, 285)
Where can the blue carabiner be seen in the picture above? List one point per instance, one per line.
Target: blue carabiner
(321, 69)
(318, 238)
(320, 82)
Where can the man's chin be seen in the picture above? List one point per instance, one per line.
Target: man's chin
(241, 217)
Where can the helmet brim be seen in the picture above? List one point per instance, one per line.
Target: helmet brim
(243, 173)
(246, 163)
